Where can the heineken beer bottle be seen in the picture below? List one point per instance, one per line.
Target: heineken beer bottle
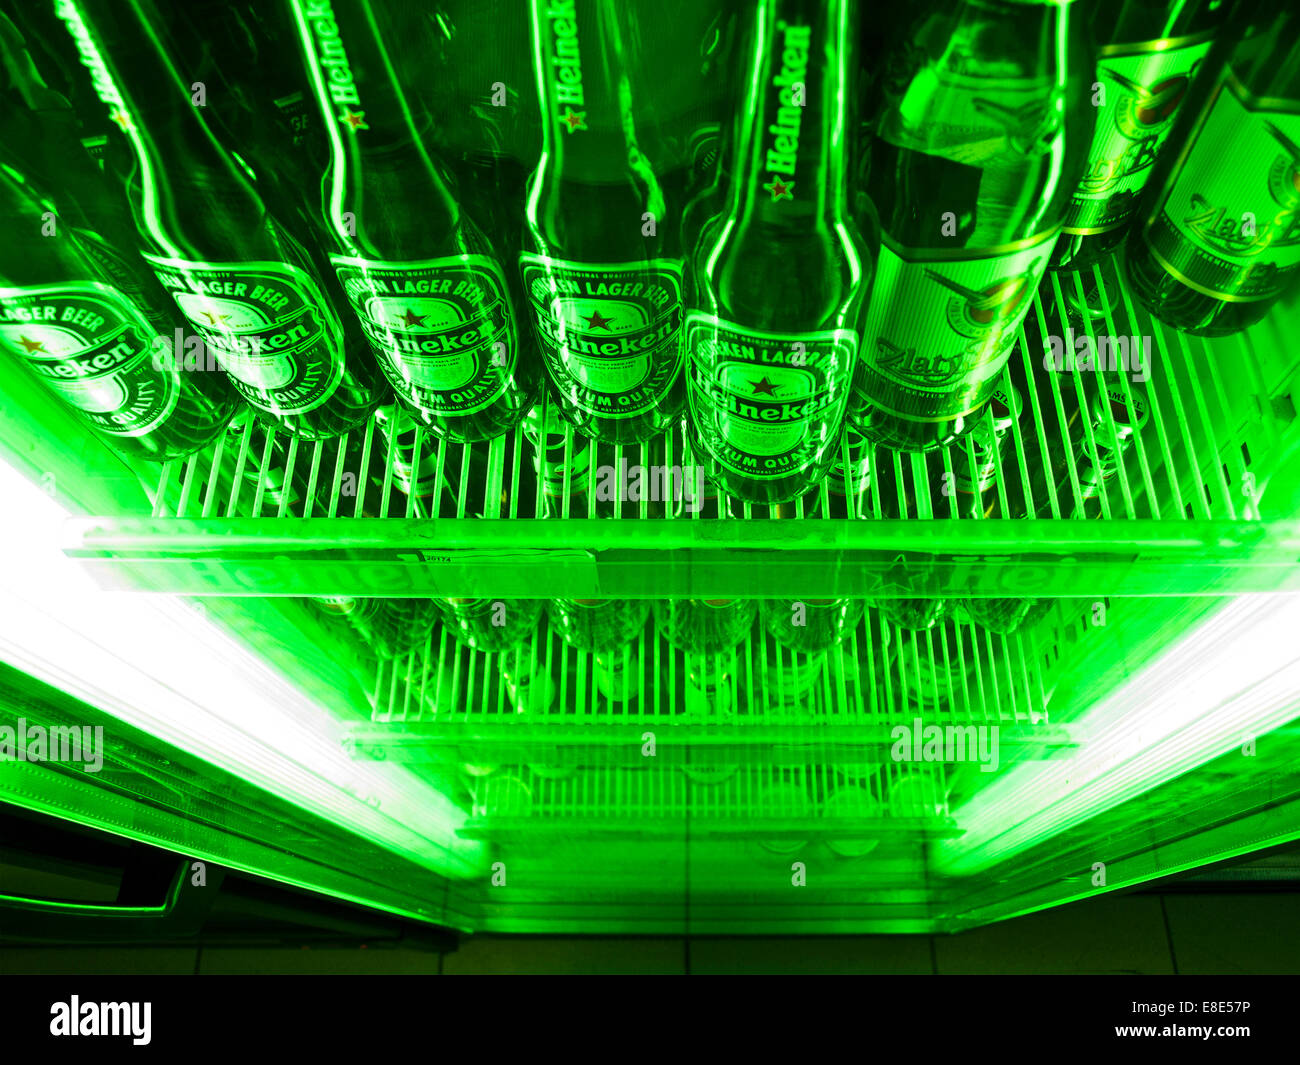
(605, 625)
(811, 624)
(247, 287)
(705, 626)
(1150, 50)
(780, 280)
(91, 344)
(490, 624)
(1218, 237)
(425, 284)
(973, 158)
(601, 265)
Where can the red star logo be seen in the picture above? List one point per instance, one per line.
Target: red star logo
(595, 321)
(120, 117)
(30, 346)
(411, 318)
(355, 120)
(780, 190)
(215, 319)
(574, 119)
(764, 386)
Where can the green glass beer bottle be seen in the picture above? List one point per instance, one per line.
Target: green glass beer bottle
(811, 624)
(601, 265)
(705, 626)
(771, 336)
(1217, 242)
(422, 279)
(1149, 52)
(603, 625)
(490, 624)
(92, 345)
(979, 145)
(243, 282)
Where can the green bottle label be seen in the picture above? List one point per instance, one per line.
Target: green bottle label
(269, 326)
(440, 328)
(767, 404)
(939, 331)
(1229, 226)
(1144, 86)
(609, 332)
(94, 350)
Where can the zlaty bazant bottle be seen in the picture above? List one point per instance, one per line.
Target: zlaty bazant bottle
(982, 137)
(1217, 241)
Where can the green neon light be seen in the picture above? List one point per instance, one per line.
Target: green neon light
(162, 667)
(1235, 676)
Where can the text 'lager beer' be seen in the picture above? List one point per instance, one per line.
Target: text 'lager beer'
(979, 144)
(424, 282)
(1149, 52)
(1218, 239)
(601, 267)
(243, 282)
(92, 345)
(779, 281)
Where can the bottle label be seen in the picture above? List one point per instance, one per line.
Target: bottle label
(767, 404)
(269, 326)
(94, 350)
(440, 328)
(939, 331)
(609, 332)
(1229, 226)
(1144, 85)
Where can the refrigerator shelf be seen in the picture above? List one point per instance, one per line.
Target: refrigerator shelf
(781, 807)
(851, 704)
(393, 514)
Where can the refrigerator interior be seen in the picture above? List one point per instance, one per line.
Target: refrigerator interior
(1144, 726)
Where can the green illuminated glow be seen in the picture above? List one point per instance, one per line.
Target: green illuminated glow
(162, 667)
(1236, 676)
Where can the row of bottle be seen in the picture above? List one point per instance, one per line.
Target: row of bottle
(991, 148)
(876, 801)
(932, 670)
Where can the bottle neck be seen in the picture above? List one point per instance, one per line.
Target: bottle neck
(588, 88)
(122, 43)
(791, 135)
(372, 125)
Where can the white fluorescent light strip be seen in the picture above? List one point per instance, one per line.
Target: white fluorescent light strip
(1233, 677)
(159, 665)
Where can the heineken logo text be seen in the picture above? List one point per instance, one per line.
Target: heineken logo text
(782, 155)
(91, 59)
(333, 61)
(566, 85)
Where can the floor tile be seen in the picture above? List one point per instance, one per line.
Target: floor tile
(1111, 934)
